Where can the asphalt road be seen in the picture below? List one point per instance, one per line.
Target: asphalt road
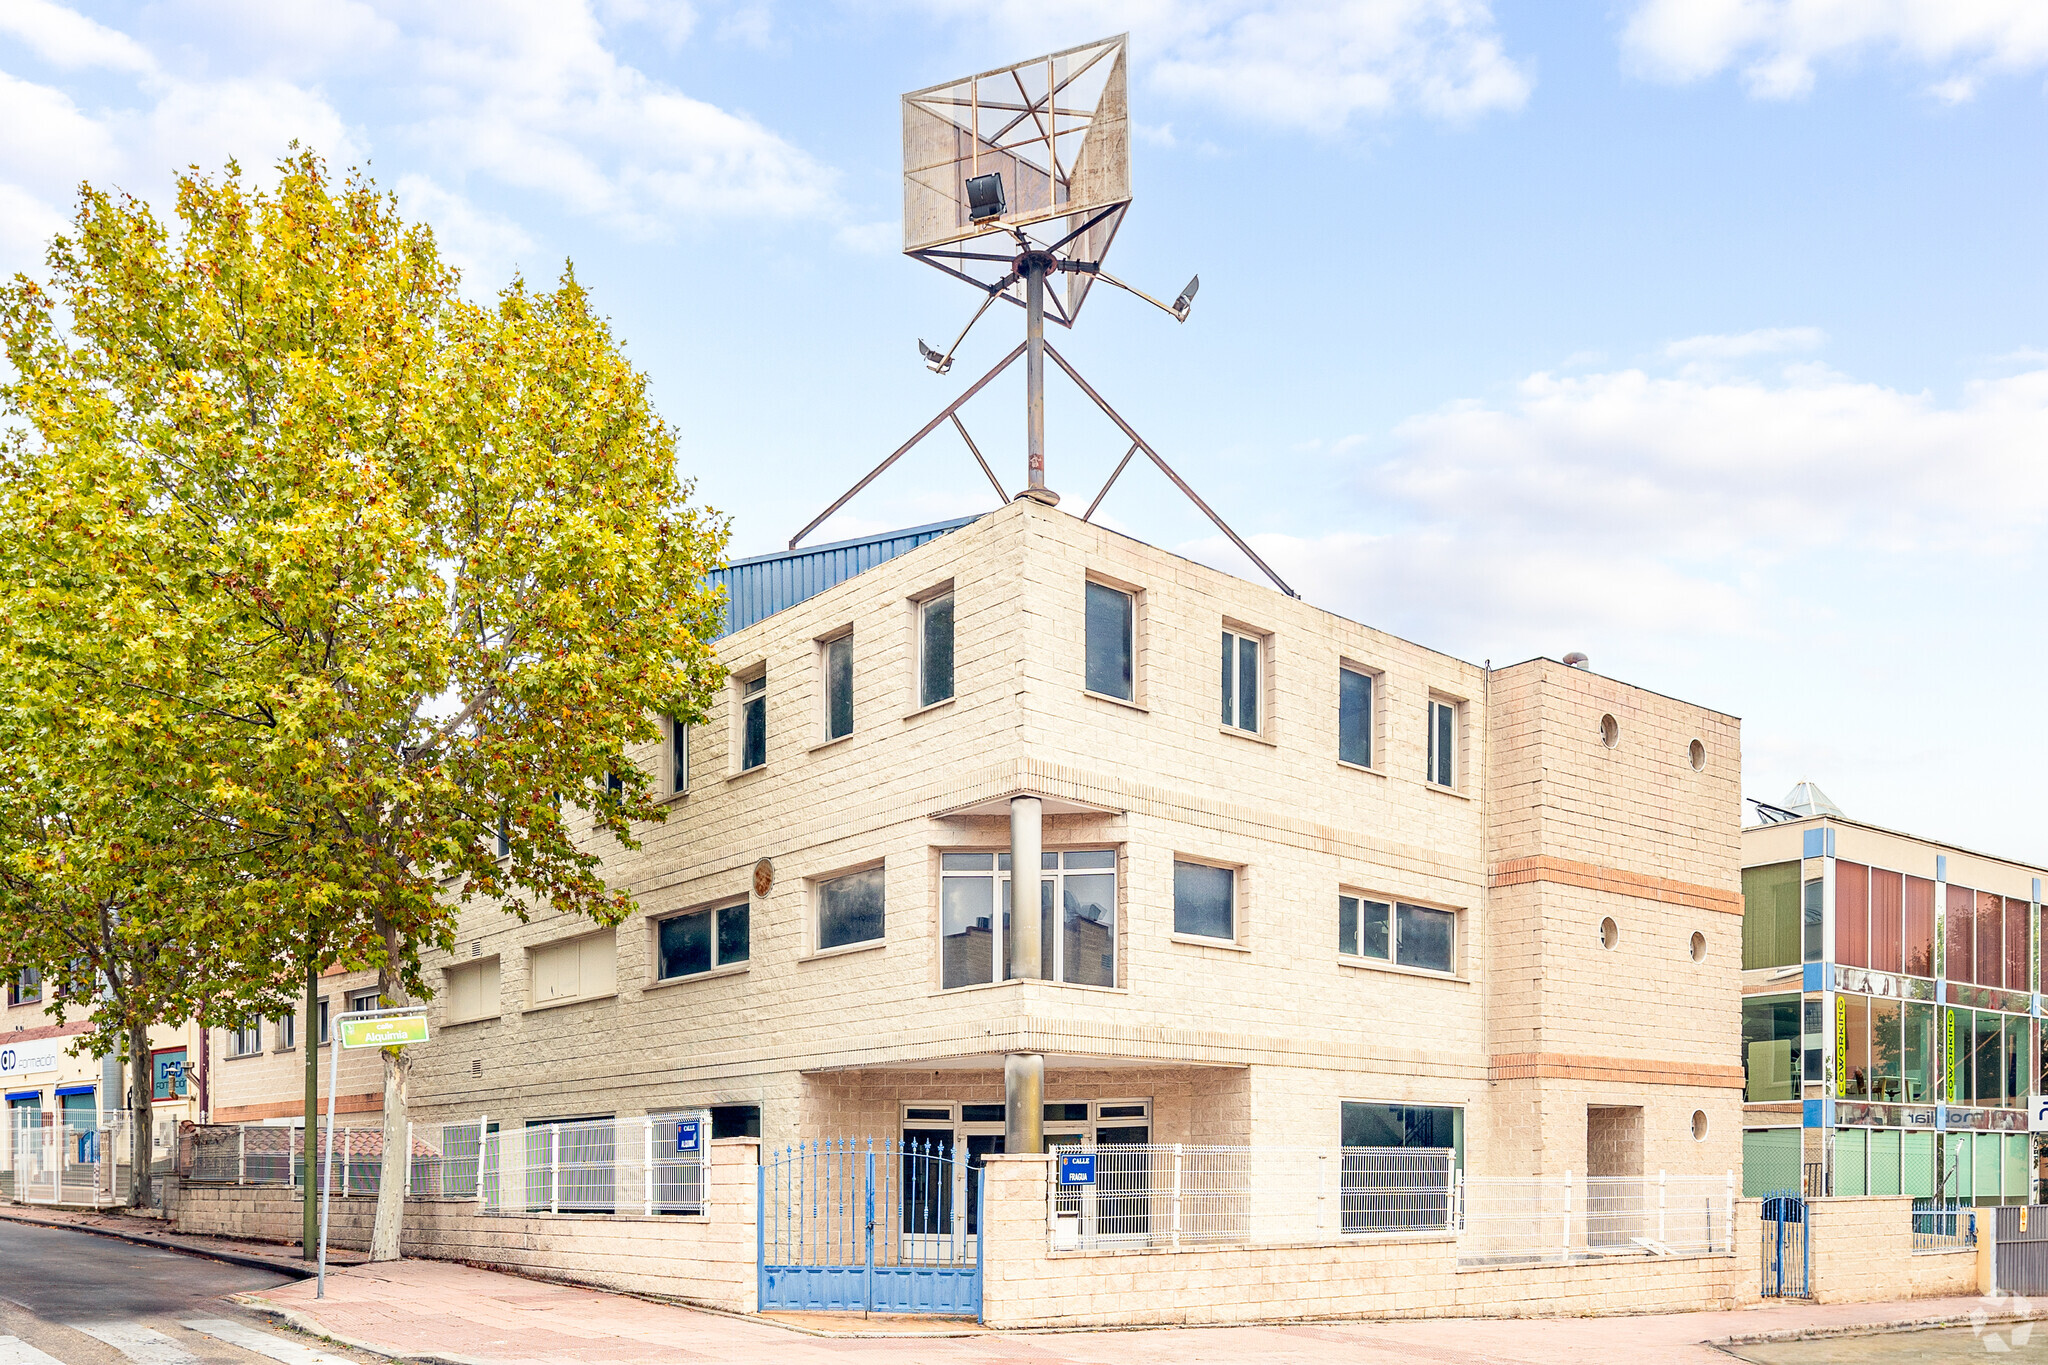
(70, 1298)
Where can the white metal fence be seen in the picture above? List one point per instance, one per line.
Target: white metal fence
(621, 1166)
(441, 1162)
(61, 1158)
(1175, 1195)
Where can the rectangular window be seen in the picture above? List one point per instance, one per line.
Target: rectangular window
(1077, 925)
(1241, 681)
(1852, 914)
(245, 1041)
(1887, 1042)
(1810, 920)
(2016, 945)
(850, 909)
(364, 1000)
(504, 836)
(754, 723)
(575, 969)
(1852, 1069)
(1770, 915)
(472, 991)
(1365, 928)
(323, 1021)
(1204, 900)
(26, 988)
(1887, 920)
(1920, 1066)
(1918, 950)
(1962, 933)
(838, 664)
(935, 649)
(1354, 717)
(1990, 940)
(1770, 1047)
(1112, 618)
(678, 756)
(287, 1032)
(704, 939)
(1405, 1125)
(1425, 938)
(1443, 743)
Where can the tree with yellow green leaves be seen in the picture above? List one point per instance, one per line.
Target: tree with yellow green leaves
(345, 579)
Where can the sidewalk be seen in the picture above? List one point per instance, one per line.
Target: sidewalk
(433, 1310)
(150, 1231)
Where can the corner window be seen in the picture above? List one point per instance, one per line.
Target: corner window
(1241, 681)
(1443, 743)
(704, 939)
(1077, 917)
(850, 909)
(754, 722)
(1112, 618)
(1204, 900)
(678, 756)
(472, 990)
(1354, 717)
(935, 649)
(836, 657)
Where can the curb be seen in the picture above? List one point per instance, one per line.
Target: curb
(261, 1307)
(295, 1269)
(1988, 1318)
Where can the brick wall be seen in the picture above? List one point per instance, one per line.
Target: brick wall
(705, 1260)
(1861, 1251)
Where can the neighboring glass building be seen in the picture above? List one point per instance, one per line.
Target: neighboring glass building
(1890, 1011)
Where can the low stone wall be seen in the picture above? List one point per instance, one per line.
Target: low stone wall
(1028, 1285)
(706, 1260)
(1861, 1251)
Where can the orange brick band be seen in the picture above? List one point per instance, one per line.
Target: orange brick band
(1560, 1066)
(1592, 877)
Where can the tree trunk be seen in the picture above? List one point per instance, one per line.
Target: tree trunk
(390, 1222)
(142, 1091)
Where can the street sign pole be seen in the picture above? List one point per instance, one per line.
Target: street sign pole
(399, 1026)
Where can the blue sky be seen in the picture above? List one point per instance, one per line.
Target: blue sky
(1705, 336)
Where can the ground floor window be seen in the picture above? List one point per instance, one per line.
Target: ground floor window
(1399, 1163)
(975, 1132)
(735, 1120)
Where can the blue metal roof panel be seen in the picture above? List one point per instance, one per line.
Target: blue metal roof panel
(759, 587)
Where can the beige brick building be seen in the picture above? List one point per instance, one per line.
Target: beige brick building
(1341, 889)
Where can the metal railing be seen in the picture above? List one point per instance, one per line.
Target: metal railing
(62, 1158)
(1944, 1225)
(1513, 1219)
(846, 1202)
(442, 1161)
(620, 1166)
(1173, 1195)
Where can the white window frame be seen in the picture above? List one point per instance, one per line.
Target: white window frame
(1394, 905)
(717, 914)
(1234, 639)
(922, 605)
(1236, 871)
(745, 692)
(1053, 871)
(482, 966)
(287, 1026)
(1451, 760)
(364, 998)
(817, 911)
(1135, 596)
(675, 757)
(1374, 687)
(246, 1040)
(581, 941)
(323, 1022)
(825, 647)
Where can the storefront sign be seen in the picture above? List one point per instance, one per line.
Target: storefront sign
(27, 1059)
(1842, 1032)
(395, 1031)
(1948, 1070)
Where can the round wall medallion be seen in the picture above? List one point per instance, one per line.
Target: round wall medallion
(764, 877)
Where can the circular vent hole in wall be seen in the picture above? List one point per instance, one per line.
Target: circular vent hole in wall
(1698, 754)
(1699, 1125)
(1699, 946)
(1610, 932)
(1610, 731)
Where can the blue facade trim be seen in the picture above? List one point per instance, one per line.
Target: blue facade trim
(757, 588)
(1814, 977)
(1831, 841)
(2037, 889)
(1817, 1113)
(14, 1095)
(1941, 868)
(1940, 1117)
(1814, 844)
(64, 1090)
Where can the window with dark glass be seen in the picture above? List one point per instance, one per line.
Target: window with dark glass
(1111, 618)
(935, 649)
(1204, 900)
(26, 988)
(1443, 743)
(754, 723)
(704, 939)
(1354, 717)
(1770, 1047)
(850, 909)
(1365, 928)
(839, 687)
(1770, 915)
(1424, 937)
(678, 756)
(1810, 921)
(1077, 924)
(1241, 681)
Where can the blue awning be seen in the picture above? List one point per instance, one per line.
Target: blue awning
(63, 1090)
(14, 1095)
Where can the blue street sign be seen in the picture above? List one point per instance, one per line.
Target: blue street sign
(1077, 1168)
(689, 1134)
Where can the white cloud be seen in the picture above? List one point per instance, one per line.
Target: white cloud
(1764, 341)
(487, 247)
(1671, 503)
(1778, 43)
(68, 40)
(1313, 64)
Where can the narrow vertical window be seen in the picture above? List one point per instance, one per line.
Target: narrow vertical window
(678, 756)
(1354, 717)
(1241, 681)
(935, 650)
(1443, 743)
(1110, 620)
(839, 687)
(754, 723)
(504, 835)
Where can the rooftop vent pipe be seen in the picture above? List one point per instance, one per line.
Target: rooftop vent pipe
(1576, 660)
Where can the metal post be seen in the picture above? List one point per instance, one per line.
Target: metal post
(482, 1131)
(1322, 1186)
(1034, 369)
(649, 1121)
(1023, 1103)
(554, 1168)
(1565, 1248)
(309, 1212)
(1660, 1208)
(867, 1255)
(348, 1151)
(1177, 1165)
(1458, 1201)
(327, 1179)
(1728, 1212)
(241, 1157)
(408, 1158)
(1023, 950)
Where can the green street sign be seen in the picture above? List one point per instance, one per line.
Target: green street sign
(395, 1031)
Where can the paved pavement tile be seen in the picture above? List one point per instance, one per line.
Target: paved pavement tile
(459, 1312)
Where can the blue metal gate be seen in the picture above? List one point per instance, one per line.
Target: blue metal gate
(875, 1225)
(1787, 1257)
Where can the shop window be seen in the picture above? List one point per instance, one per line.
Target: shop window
(1919, 1065)
(1887, 1049)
